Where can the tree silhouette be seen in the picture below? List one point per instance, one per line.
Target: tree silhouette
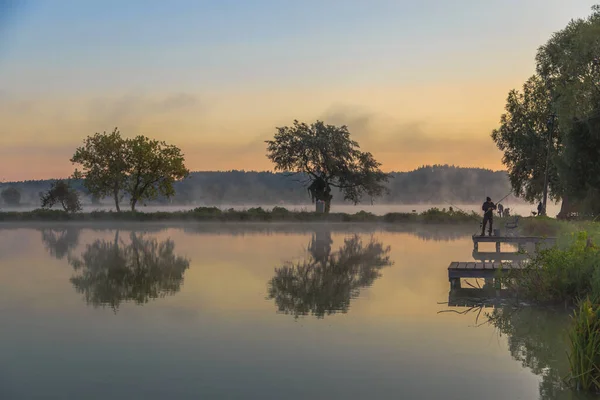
(326, 282)
(109, 273)
(60, 242)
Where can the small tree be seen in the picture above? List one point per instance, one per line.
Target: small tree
(11, 196)
(329, 158)
(104, 162)
(60, 192)
(154, 166)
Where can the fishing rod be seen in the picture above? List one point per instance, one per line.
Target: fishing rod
(509, 193)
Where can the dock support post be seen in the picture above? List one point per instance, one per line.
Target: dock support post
(497, 247)
(497, 284)
(454, 283)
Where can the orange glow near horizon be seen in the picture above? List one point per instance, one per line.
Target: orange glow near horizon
(456, 132)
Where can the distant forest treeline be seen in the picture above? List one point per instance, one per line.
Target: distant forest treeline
(429, 184)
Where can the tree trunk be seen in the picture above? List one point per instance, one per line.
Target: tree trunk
(328, 204)
(565, 208)
(133, 203)
(116, 194)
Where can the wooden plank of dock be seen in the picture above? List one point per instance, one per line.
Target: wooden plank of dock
(520, 240)
(512, 239)
(470, 269)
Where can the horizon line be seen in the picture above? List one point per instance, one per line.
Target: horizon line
(433, 166)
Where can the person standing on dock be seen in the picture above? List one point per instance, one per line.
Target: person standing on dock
(488, 215)
(500, 210)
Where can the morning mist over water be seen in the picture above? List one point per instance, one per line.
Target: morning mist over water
(222, 308)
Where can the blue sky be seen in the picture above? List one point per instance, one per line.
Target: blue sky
(379, 56)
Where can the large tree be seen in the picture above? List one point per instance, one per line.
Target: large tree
(525, 135)
(566, 87)
(580, 164)
(329, 158)
(154, 167)
(104, 162)
(570, 63)
(140, 167)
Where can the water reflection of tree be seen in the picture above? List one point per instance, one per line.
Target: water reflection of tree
(110, 272)
(325, 282)
(60, 242)
(537, 339)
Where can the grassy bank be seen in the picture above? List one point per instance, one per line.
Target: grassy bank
(278, 214)
(568, 275)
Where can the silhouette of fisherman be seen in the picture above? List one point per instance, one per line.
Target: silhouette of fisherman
(488, 215)
(540, 209)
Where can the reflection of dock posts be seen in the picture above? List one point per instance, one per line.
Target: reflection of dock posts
(521, 241)
(475, 297)
(490, 256)
(454, 283)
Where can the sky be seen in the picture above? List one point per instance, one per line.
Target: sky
(416, 82)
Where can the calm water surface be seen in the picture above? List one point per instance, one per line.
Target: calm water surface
(258, 312)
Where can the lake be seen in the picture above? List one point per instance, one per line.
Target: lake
(258, 311)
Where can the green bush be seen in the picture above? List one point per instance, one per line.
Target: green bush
(560, 275)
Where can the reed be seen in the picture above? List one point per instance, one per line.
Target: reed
(584, 344)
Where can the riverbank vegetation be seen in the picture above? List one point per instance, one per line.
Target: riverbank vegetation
(258, 214)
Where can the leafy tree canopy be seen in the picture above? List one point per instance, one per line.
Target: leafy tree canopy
(154, 167)
(330, 158)
(566, 90)
(61, 193)
(104, 162)
(140, 167)
(523, 137)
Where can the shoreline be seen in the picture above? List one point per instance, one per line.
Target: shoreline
(211, 217)
(213, 214)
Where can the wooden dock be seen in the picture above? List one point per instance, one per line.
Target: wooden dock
(492, 262)
(521, 241)
(474, 269)
(483, 270)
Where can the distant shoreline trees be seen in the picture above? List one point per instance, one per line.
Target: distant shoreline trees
(435, 184)
(11, 196)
